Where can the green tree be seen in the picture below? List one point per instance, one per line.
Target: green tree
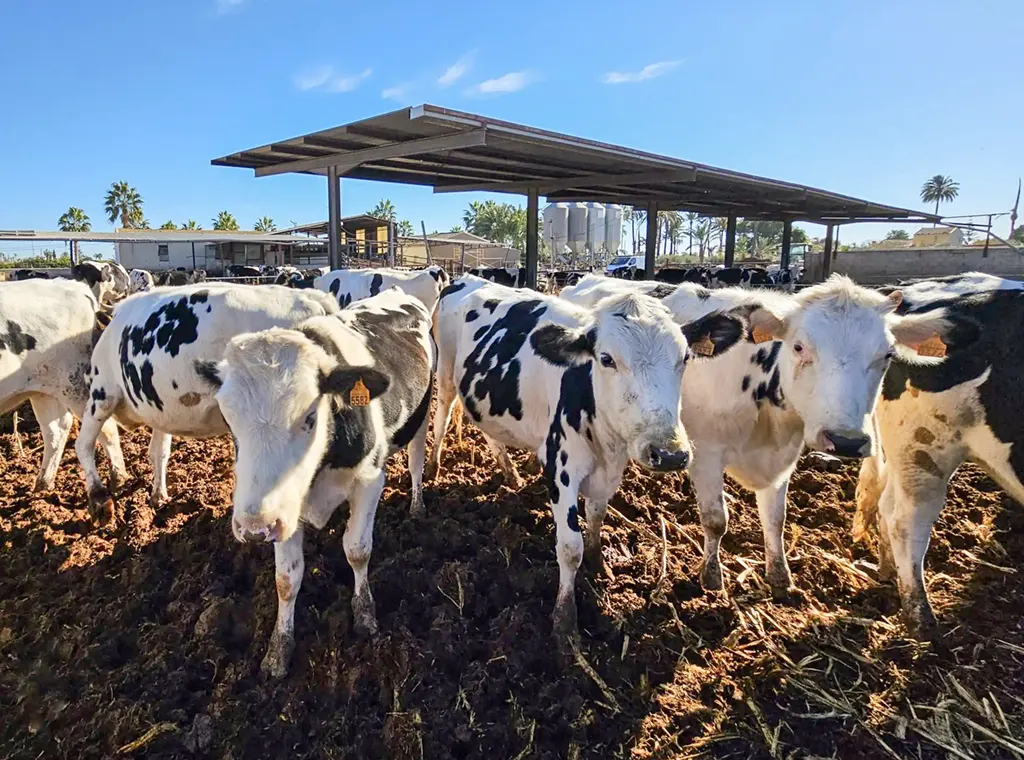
(499, 222)
(405, 228)
(266, 224)
(385, 210)
(456, 228)
(191, 224)
(225, 221)
(1018, 235)
(897, 234)
(168, 225)
(74, 220)
(939, 189)
(798, 236)
(124, 202)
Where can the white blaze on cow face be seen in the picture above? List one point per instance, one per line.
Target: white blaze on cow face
(639, 355)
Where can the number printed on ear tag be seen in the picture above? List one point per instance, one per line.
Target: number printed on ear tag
(760, 336)
(704, 347)
(359, 395)
(932, 347)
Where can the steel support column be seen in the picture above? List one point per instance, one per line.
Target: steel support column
(651, 246)
(532, 210)
(730, 240)
(333, 217)
(787, 243)
(826, 258)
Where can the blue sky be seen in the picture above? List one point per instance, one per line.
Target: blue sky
(864, 97)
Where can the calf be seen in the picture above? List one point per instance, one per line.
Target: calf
(29, 274)
(307, 440)
(139, 281)
(603, 388)
(348, 285)
(935, 414)
(671, 275)
(108, 279)
(808, 376)
(147, 368)
(47, 331)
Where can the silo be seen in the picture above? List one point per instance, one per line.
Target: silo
(577, 226)
(556, 225)
(612, 229)
(595, 227)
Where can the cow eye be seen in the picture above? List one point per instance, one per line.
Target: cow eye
(798, 347)
(607, 361)
(890, 355)
(310, 421)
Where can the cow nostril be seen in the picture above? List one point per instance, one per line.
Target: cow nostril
(276, 531)
(655, 457)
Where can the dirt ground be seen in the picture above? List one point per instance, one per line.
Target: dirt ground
(146, 641)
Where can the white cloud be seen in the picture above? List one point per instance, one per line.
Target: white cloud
(226, 6)
(457, 70)
(647, 72)
(325, 77)
(511, 82)
(398, 92)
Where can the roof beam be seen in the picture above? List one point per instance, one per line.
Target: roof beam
(587, 180)
(352, 159)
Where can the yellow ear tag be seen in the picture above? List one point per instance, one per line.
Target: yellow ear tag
(359, 395)
(760, 336)
(932, 347)
(704, 347)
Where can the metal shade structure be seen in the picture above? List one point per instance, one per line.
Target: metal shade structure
(454, 151)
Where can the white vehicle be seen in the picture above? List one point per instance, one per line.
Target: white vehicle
(624, 262)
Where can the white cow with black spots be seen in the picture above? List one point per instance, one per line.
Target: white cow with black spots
(811, 381)
(936, 413)
(307, 441)
(140, 280)
(587, 389)
(148, 365)
(47, 331)
(108, 279)
(349, 285)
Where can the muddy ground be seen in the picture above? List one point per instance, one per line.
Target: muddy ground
(146, 641)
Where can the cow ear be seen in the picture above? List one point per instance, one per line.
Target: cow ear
(210, 372)
(561, 346)
(765, 326)
(933, 335)
(344, 381)
(714, 333)
(891, 303)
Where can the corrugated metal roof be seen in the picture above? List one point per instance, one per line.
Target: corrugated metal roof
(155, 236)
(455, 151)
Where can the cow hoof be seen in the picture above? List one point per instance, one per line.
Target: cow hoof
(919, 620)
(567, 634)
(430, 472)
(115, 480)
(711, 575)
(101, 506)
(780, 580)
(594, 558)
(279, 652)
(42, 485)
(512, 481)
(364, 615)
(417, 508)
(157, 500)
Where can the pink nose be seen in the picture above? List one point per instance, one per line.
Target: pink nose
(255, 532)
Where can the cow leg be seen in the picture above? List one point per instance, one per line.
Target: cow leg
(706, 474)
(159, 456)
(54, 423)
(110, 440)
(417, 453)
(97, 412)
(442, 416)
(508, 468)
(597, 491)
(358, 544)
(569, 548)
(886, 563)
(290, 565)
(771, 507)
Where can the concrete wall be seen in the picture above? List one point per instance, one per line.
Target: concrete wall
(871, 267)
(179, 254)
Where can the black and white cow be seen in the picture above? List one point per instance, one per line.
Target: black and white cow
(241, 270)
(108, 279)
(47, 331)
(586, 389)
(140, 280)
(808, 376)
(349, 285)
(935, 414)
(306, 442)
(146, 368)
(179, 277)
(29, 274)
(512, 277)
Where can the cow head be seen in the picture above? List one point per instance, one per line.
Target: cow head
(278, 391)
(837, 344)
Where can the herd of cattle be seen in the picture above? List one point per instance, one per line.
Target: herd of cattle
(319, 385)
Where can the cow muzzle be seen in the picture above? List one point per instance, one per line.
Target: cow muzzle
(258, 530)
(854, 445)
(667, 460)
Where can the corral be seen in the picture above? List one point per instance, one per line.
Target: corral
(147, 640)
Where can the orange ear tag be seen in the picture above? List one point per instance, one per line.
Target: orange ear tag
(932, 347)
(359, 395)
(760, 336)
(704, 347)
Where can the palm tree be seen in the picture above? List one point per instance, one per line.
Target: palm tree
(225, 221)
(191, 224)
(266, 224)
(405, 228)
(456, 228)
(168, 225)
(124, 202)
(939, 189)
(385, 210)
(74, 220)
